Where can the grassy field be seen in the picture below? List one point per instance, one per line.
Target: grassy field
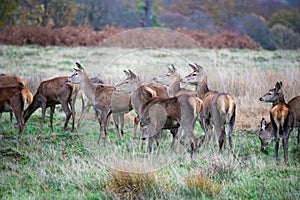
(66, 165)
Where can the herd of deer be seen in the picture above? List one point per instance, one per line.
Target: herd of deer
(160, 105)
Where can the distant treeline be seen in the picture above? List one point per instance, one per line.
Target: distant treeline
(273, 24)
(130, 38)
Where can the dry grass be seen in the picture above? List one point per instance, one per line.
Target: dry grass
(200, 181)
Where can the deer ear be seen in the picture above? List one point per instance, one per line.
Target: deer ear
(79, 66)
(193, 67)
(174, 68)
(198, 66)
(132, 75)
(278, 86)
(126, 73)
(263, 123)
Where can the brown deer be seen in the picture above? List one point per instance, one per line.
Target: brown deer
(218, 108)
(5, 81)
(104, 99)
(282, 118)
(85, 103)
(11, 99)
(50, 93)
(266, 131)
(158, 113)
(265, 134)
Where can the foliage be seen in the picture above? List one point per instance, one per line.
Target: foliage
(51, 13)
(7, 12)
(287, 18)
(284, 37)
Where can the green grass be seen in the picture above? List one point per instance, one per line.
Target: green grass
(65, 165)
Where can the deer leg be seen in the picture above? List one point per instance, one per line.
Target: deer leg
(150, 143)
(157, 139)
(43, 106)
(174, 132)
(122, 123)
(285, 149)
(136, 123)
(52, 109)
(67, 111)
(298, 138)
(116, 122)
(11, 118)
(20, 120)
(84, 111)
(73, 111)
(100, 124)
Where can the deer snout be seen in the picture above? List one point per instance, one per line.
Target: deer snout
(261, 99)
(154, 79)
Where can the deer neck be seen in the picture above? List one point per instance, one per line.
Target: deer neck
(88, 88)
(138, 100)
(174, 86)
(280, 99)
(202, 89)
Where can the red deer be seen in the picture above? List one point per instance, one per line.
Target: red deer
(266, 131)
(218, 108)
(265, 134)
(158, 113)
(282, 118)
(11, 99)
(85, 103)
(171, 79)
(15, 81)
(50, 93)
(104, 100)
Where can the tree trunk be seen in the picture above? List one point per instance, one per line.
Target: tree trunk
(148, 13)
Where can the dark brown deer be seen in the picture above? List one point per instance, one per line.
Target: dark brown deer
(50, 93)
(282, 118)
(218, 108)
(104, 99)
(158, 113)
(11, 99)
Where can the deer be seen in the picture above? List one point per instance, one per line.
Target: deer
(50, 93)
(158, 113)
(11, 99)
(282, 118)
(265, 134)
(104, 100)
(266, 131)
(171, 79)
(5, 81)
(85, 103)
(218, 108)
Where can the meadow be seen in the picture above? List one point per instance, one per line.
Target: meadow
(70, 165)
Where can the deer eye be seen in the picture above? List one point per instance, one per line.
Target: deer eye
(194, 74)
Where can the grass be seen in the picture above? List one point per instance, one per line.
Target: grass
(65, 165)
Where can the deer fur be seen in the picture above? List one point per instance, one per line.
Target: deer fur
(104, 99)
(218, 108)
(50, 93)
(11, 99)
(158, 113)
(282, 118)
(5, 81)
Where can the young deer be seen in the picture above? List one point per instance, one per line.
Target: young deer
(218, 108)
(282, 118)
(265, 134)
(50, 93)
(104, 99)
(11, 99)
(158, 113)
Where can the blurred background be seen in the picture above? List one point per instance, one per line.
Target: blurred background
(267, 24)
